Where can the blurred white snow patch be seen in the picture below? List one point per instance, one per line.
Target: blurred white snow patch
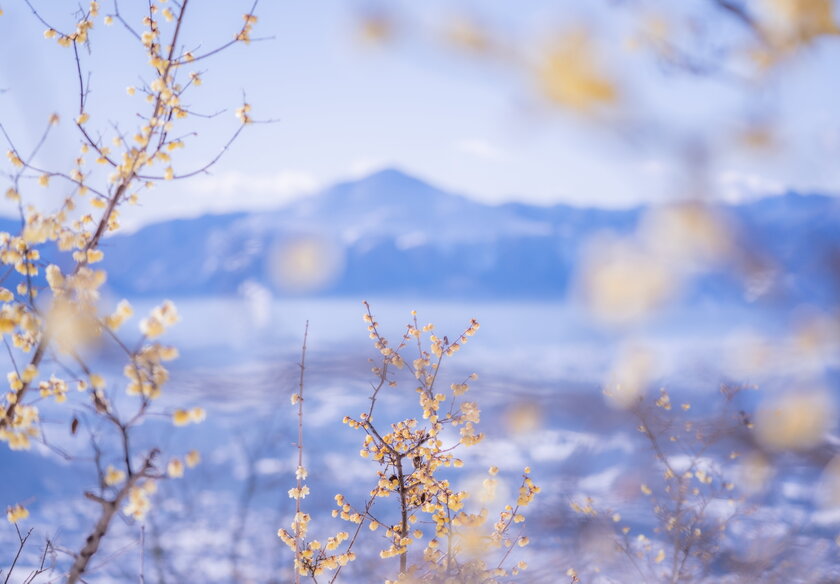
(797, 491)
(258, 300)
(198, 540)
(494, 452)
(557, 445)
(350, 469)
(549, 446)
(826, 517)
(269, 466)
(601, 482)
(330, 406)
(683, 462)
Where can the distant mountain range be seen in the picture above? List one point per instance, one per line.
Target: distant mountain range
(392, 234)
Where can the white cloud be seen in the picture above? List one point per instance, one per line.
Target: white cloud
(220, 193)
(480, 149)
(280, 187)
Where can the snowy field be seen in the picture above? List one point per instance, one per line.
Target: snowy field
(542, 373)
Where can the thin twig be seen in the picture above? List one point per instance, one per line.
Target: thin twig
(298, 535)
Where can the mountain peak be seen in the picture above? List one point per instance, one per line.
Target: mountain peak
(384, 188)
(391, 178)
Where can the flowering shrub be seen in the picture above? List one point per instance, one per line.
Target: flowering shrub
(52, 313)
(413, 455)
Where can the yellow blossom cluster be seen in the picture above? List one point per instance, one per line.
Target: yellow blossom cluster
(22, 425)
(243, 113)
(80, 34)
(113, 476)
(139, 503)
(147, 374)
(19, 322)
(16, 513)
(244, 35)
(161, 317)
(194, 415)
(313, 558)
(123, 312)
(54, 387)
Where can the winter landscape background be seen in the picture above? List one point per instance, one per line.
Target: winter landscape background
(636, 199)
(405, 245)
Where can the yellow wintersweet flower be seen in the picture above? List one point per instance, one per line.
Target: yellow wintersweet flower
(298, 493)
(175, 468)
(114, 476)
(151, 327)
(181, 417)
(796, 420)
(192, 458)
(138, 502)
(97, 381)
(16, 513)
(570, 75)
(659, 557)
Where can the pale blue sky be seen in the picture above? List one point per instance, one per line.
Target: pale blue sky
(481, 129)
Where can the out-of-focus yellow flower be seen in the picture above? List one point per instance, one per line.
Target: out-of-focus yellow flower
(138, 501)
(180, 417)
(688, 235)
(800, 20)
(467, 35)
(114, 476)
(192, 458)
(523, 417)
(16, 513)
(376, 27)
(797, 420)
(623, 282)
(570, 74)
(175, 468)
(660, 556)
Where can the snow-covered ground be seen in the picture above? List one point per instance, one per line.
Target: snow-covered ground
(542, 371)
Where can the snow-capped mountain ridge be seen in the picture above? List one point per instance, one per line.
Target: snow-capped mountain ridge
(398, 235)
